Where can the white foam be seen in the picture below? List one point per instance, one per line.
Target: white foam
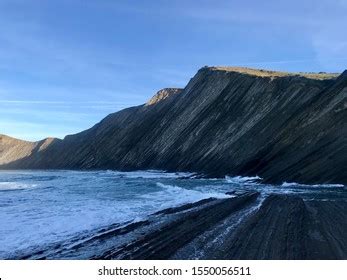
(176, 189)
(11, 186)
(286, 184)
(242, 180)
(172, 195)
(148, 174)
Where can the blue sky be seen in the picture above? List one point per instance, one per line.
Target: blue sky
(66, 64)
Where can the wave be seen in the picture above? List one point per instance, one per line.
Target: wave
(293, 184)
(192, 194)
(12, 186)
(241, 179)
(171, 196)
(148, 174)
(176, 189)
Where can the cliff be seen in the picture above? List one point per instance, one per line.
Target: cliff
(227, 120)
(15, 150)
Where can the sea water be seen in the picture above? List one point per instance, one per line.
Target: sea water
(39, 208)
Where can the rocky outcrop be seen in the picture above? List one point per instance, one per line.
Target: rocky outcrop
(162, 95)
(236, 121)
(246, 226)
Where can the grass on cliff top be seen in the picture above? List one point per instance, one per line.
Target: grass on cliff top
(270, 73)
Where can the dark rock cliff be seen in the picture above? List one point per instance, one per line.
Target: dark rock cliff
(235, 121)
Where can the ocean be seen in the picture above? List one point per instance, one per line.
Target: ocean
(41, 208)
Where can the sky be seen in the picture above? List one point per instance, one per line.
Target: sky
(66, 64)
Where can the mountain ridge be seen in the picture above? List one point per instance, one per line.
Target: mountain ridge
(282, 127)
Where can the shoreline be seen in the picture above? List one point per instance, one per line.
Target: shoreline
(186, 175)
(246, 226)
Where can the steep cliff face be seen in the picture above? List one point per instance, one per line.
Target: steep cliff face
(236, 121)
